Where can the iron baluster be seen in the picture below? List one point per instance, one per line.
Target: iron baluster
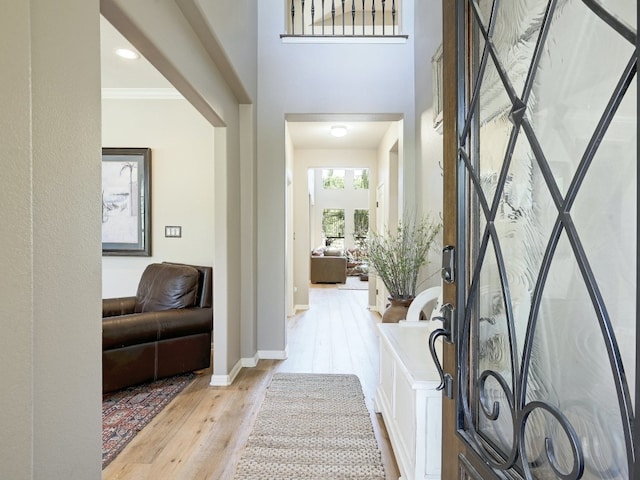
(333, 17)
(293, 17)
(363, 19)
(383, 17)
(353, 17)
(302, 17)
(322, 17)
(373, 17)
(393, 16)
(313, 13)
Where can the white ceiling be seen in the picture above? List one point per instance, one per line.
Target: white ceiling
(317, 135)
(363, 132)
(118, 72)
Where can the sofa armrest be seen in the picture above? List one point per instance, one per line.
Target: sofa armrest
(112, 307)
(136, 328)
(185, 321)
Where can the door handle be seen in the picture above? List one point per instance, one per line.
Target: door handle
(445, 331)
(440, 332)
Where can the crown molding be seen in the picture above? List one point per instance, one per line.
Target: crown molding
(141, 94)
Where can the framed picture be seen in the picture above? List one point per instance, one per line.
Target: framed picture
(126, 201)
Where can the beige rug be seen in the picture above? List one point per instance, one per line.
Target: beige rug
(312, 426)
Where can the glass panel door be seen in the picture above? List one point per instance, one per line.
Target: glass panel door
(548, 146)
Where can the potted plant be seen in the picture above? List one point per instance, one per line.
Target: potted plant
(397, 256)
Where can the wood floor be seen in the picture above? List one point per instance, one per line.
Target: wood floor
(201, 433)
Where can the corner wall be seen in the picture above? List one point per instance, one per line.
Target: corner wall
(50, 282)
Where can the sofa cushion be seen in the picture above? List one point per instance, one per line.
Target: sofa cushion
(166, 286)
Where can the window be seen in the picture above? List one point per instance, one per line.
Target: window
(333, 226)
(333, 179)
(361, 179)
(360, 223)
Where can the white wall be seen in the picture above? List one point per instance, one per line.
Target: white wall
(50, 261)
(234, 23)
(182, 163)
(429, 192)
(391, 203)
(316, 78)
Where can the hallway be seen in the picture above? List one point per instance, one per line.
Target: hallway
(201, 433)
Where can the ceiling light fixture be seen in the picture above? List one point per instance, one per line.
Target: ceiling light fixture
(338, 131)
(127, 53)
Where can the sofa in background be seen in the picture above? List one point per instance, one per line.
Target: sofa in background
(328, 266)
(166, 329)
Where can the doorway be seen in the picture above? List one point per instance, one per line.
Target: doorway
(310, 147)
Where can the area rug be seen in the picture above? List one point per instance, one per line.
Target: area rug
(312, 426)
(127, 411)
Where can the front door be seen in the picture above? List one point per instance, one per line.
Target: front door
(541, 205)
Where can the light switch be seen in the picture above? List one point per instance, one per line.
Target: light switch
(172, 231)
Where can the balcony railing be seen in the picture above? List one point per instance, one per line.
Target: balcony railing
(343, 18)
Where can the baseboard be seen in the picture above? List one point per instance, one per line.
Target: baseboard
(273, 354)
(226, 380)
(301, 307)
(250, 362)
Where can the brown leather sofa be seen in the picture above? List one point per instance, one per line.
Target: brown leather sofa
(166, 329)
(328, 268)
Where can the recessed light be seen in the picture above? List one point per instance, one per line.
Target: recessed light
(127, 53)
(338, 131)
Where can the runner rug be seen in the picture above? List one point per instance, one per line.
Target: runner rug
(127, 411)
(312, 426)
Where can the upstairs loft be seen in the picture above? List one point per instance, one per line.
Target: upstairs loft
(343, 18)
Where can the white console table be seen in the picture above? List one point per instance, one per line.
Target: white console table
(408, 400)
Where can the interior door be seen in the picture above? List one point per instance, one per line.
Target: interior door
(540, 208)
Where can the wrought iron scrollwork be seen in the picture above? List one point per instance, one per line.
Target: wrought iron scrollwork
(577, 467)
(505, 396)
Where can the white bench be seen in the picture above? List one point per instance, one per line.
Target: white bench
(407, 397)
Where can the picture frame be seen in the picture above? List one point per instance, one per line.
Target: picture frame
(126, 202)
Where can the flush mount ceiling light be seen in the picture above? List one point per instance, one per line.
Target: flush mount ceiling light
(338, 131)
(127, 53)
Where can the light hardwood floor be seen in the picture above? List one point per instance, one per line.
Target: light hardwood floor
(201, 433)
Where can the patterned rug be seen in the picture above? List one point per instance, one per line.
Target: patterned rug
(312, 426)
(127, 411)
